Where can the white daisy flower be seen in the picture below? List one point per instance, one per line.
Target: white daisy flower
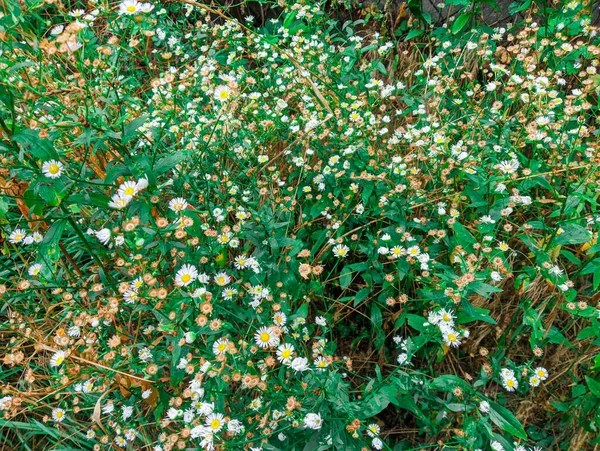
(128, 189)
(265, 337)
(129, 7)
(17, 236)
(186, 275)
(178, 204)
(57, 359)
(52, 169)
(119, 202)
(222, 93)
(34, 269)
(341, 250)
(58, 414)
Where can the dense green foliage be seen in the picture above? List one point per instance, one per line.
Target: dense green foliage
(297, 231)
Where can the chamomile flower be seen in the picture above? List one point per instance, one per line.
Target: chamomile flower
(509, 166)
(447, 317)
(229, 293)
(413, 251)
(220, 346)
(510, 383)
(541, 372)
(17, 236)
(103, 236)
(52, 169)
(58, 415)
(373, 430)
(321, 363)
(341, 250)
(285, 353)
(34, 269)
(222, 93)
(534, 381)
(279, 319)
(265, 337)
(57, 359)
(128, 189)
(178, 204)
(222, 279)
(451, 338)
(129, 7)
(241, 262)
(313, 421)
(215, 421)
(186, 275)
(119, 202)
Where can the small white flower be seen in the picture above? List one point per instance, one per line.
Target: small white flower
(103, 236)
(58, 415)
(34, 269)
(222, 93)
(313, 421)
(129, 7)
(300, 364)
(17, 236)
(52, 169)
(57, 359)
(178, 204)
(341, 250)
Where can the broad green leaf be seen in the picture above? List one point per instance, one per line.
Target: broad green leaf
(506, 421)
(593, 385)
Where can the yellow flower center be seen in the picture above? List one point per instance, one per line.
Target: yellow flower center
(215, 424)
(59, 414)
(452, 338)
(131, 9)
(186, 278)
(129, 191)
(53, 169)
(222, 347)
(59, 360)
(286, 354)
(510, 383)
(265, 337)
(224, 94)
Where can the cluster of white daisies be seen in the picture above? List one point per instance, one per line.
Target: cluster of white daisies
(126, 192)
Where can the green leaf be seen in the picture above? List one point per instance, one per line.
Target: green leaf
(30, 142)
(345, 278)
(471, 313)
(573, 234)
(130, 130)
(517, 7)
(505, 420)
(413, 34)
(49, 250)
(462, 234)
(449, 382)
(593, 385)
(167, 163)
(484, 289)
(461, 22)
